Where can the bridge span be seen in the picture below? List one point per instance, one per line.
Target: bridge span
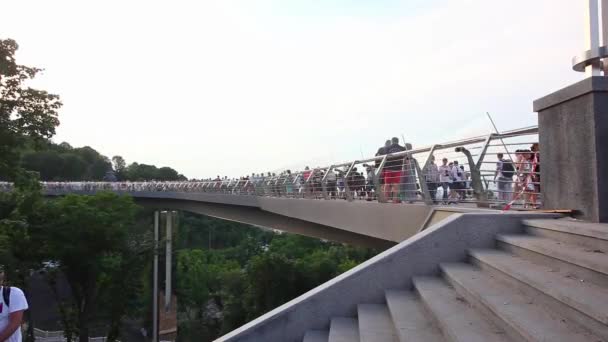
(377, 202)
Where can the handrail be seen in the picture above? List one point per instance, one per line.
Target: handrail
(414, 179)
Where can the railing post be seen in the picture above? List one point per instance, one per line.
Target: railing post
(293, 185)
(324, 184)
(307, 183)
(349, 195)
(422, 179)
(377, 185)
(425, 189)
(476, 181)
(245, 186)
(428, 158)
(482, 154)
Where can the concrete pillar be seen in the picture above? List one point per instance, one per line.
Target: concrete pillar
(573, 132)
(168, 259)
(155, 280)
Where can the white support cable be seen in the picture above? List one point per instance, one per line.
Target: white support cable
(592, 35)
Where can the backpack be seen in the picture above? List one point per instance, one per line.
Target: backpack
(6, 295)
(507, 169)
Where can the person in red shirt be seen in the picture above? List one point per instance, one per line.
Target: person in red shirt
(393, 171)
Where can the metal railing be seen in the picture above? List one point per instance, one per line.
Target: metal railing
(58, 336)
(468, 176)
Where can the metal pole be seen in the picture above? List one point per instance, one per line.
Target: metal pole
(604, 5)
(377, 185)
(500, 137)
(168, 260)
(592, 35)
(155, 281)
(349, 196)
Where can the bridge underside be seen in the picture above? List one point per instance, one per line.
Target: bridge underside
(360, 223)
(259, 218)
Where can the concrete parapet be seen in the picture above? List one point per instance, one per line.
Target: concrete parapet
(392, 269)
(573, 132)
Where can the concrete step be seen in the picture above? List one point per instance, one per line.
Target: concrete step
(375, 324)
(583, 262)
(410, 318)
(590, 235)
(517, 314)
(344, 329)
(583, 296)
(316, 336)
(456, 318)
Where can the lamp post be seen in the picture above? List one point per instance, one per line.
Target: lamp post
(591, 61)
(571, 128)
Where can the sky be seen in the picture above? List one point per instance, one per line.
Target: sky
(232, 87)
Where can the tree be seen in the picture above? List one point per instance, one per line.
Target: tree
(167, 174)
(24, 111)
(141, 172)
(120, 166)
(73, 167)
(23, 214)
(88, 237)
(98, 169)
(47, 163)
(122, 294)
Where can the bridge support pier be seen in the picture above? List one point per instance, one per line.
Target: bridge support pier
(159, 320)
(573, 133)
(155, 280)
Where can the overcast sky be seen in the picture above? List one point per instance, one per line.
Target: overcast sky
(233, 87)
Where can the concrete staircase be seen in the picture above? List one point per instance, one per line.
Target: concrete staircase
(548, 284)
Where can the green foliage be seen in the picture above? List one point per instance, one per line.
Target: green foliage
(120, 166)
(23, 214)
(62, 162)
(142, 172)
(227, 273)
(246, 272)
(24, 112)
(91, 238)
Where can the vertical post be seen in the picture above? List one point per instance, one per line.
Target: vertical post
(484, 150)
(155, 284)
(324, 183)
(377, 185)
(428, 158)
(422, 179)
(604, 8)
(592, 35)
(349, 195)
(168, 260)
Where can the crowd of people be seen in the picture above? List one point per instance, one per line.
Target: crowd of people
(398, 180)
(451, 178)
(519, 180)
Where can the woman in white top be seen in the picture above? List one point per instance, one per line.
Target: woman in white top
(444, 178)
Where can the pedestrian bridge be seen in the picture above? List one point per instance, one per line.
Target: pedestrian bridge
(349, 202)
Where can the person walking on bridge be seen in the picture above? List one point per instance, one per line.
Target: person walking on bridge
(504, 173)
(393, 171)
(381, 152)
(431, 177)
(444, 178)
